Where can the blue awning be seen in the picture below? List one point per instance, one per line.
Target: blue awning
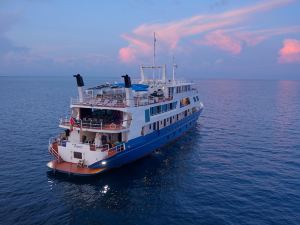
(134, 87)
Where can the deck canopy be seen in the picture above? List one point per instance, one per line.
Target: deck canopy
(134, 87)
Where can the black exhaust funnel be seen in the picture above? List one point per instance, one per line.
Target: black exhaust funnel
(79, 80)
(127, 81)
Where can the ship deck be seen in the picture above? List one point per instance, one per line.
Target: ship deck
(72, 168)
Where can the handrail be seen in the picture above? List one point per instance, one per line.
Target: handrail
(94, 124)
(104, 148)
(116, 149)
(105, 101)
(121, 103)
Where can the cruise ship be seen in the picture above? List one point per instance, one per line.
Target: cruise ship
(114, 124)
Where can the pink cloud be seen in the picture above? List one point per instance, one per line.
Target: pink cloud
(127, 55)
(290, 52)
(221, 40)
(170, 34)
(234, 40)
(255, 37)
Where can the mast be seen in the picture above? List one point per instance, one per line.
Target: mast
(153, 65)
(174, 66)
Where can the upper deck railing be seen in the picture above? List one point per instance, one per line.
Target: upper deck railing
(113, 103)
(98, 125)
(119, 101)
(100, 101)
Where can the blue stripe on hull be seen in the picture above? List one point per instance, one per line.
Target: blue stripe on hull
(144, 145)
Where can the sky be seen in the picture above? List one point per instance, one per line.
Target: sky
(209, 39)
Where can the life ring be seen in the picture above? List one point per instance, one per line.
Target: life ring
(113, 126)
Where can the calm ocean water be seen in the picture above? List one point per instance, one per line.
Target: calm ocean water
(239, 165)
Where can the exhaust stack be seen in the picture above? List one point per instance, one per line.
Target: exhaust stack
(80, 85)
(128, 90)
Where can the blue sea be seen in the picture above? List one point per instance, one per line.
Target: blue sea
(240, 164)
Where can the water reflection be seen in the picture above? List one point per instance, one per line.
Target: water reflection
(288, 94)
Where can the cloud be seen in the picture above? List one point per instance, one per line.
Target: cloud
(170, 34)
(290, 52)
(221, 40)
(234, 40)
(255, 37)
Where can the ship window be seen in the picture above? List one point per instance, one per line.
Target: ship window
(175, 104)
(147, 115)
(165, 122)
(150, 126)
(158, 109)
(154, 111)
(177, 116)
(165, 108)
(77, 155)
(154, 126)
(151, 111)
(170, 120)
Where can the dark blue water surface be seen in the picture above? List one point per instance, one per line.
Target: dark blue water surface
(239, 165)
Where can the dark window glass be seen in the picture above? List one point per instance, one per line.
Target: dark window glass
(158, 109)
(77, 155)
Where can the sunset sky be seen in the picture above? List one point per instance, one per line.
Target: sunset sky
(223, 39)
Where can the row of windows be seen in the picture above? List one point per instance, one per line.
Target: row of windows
(162, 108)
(196, 99)
(167, 121)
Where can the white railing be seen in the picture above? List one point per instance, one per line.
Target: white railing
(94, 124)
(104, 148)
(141, 101)
(120, 102)
(116, 149)
(105, 101)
